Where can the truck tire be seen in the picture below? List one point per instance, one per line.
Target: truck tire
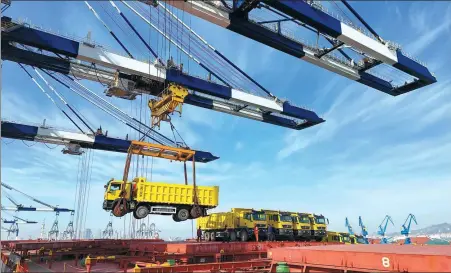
(174, 217)
(244, 236)
(141, 212)
(232, 236)
(182, 214)
(212, 236)
(195, 212)
(207, 236)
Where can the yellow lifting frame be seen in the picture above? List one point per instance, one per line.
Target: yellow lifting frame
(160, 151)
(171, 101)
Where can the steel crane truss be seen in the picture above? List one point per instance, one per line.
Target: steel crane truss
(147, 78)
(65, 137)
(239, 20)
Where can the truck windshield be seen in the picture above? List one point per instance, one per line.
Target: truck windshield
(320, 220)
(346, 238)
(304, 219)
(259, 216)
(115, 187)
(285, 218)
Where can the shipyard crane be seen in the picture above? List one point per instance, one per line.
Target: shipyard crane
(364, 230)
(168, 84)
(69, 233)
(406, 228)
(383, 228)
(108, 232)
(54, 230)
(348, 225)
(14, 228)
(275, 23)
(20, 207)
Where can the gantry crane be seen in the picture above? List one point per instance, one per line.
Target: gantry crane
(14, 228)
(69, 233)
(147, 78)
(20, 207)
(406, 228)
(364, 230)
(363, 54)
(383, 228)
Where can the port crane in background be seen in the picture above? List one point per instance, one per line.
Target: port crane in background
(69, 233)
(20, 207)
(364, 230)
(406, 228)
(363, 55)
(348, 225)
(383, 228)
(14, 227)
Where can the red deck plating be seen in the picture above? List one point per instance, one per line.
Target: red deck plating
(367, 258)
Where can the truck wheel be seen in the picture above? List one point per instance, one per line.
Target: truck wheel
(141, 212)
(212, 236)
(232, 236)
(244, 236)
(196, 212)
(182, 214)
(174, 217)
(207, 236)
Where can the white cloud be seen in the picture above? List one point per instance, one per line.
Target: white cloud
(239, 145)
(430, 34)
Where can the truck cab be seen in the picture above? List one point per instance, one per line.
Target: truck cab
(112, 192)
(346, 238)
(318, 227)
(333, 237)
(248, 218)
(301, 226)
(282, 224)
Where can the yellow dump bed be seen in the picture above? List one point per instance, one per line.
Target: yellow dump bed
(165, 193)
(217, 221)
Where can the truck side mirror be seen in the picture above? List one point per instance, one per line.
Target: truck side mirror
(105, 186)
(327, 220)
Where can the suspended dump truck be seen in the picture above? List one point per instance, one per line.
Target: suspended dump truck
(143, 197)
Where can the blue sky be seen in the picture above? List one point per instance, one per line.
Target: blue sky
(374, 155)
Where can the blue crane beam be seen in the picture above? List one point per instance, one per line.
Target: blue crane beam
(205, 94)
(63, 137)
(237, 19)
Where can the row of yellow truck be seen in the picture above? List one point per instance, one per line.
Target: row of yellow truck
(239, 223)
(144, 197)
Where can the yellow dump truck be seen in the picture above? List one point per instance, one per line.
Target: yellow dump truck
(144, 197)
(301, 226)
(282, 224)
(337, 237)
(318, 227)
(240, 223)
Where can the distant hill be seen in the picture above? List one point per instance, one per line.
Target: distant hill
(430, 230)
